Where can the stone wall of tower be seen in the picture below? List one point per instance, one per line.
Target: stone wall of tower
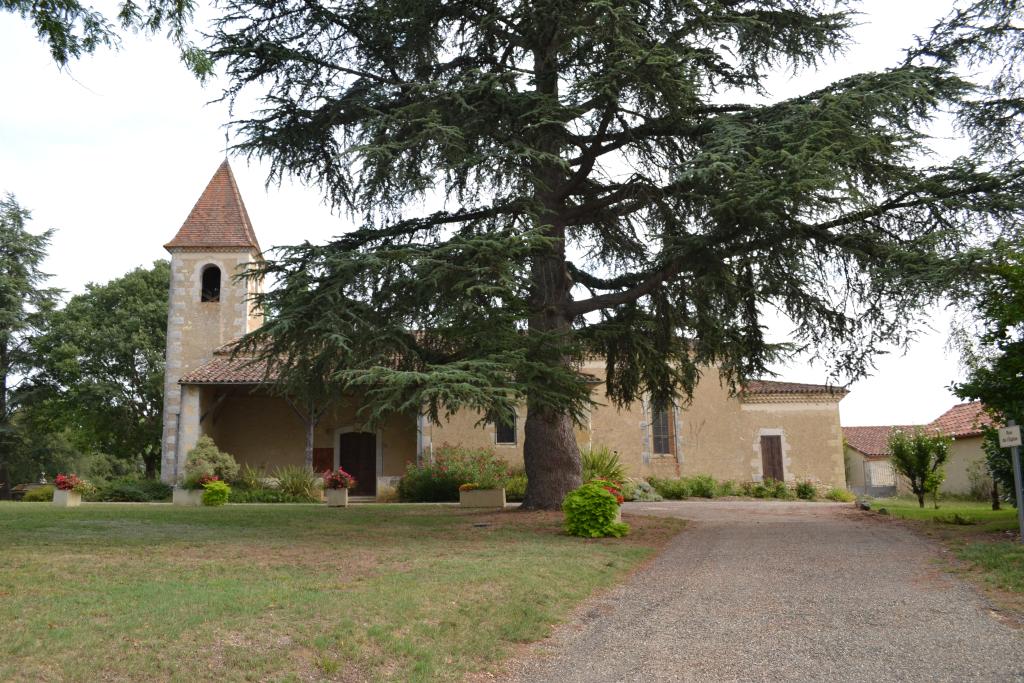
(194, 331)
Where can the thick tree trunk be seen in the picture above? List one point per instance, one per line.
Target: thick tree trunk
(552, 459)
(920, 499)
(550, 453)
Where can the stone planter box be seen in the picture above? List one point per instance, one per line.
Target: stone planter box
(187, 497)
(336, 498)
(482, 498)
(66, 499)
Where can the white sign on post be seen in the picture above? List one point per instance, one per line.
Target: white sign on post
(1009, 436)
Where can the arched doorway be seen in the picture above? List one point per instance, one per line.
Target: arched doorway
(357, 455)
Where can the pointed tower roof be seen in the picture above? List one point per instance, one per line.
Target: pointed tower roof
(219, 218)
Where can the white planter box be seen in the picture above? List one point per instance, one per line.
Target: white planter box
(336, 498)
(482, 498)
(187, 497)
(66, 499)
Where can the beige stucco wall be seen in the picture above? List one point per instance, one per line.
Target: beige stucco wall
(717, 435)
(264, 432)
(194, 330)
(962, 453)
(856, 478)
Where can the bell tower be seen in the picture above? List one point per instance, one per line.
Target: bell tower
(208, 306)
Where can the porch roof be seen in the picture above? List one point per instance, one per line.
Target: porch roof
(228, 370)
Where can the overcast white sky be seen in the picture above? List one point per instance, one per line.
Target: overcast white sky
(113, 153)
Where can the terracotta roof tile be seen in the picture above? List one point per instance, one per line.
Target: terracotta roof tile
(963, 420)
(873, 441)
(764, 386)
(227, 370)
(219, 218)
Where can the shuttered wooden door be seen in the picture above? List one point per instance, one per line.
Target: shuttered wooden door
(771, 457)
(358, 456)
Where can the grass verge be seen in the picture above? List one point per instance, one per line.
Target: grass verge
(289, 592)
(983, 539)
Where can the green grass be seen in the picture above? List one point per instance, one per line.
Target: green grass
(980, 514)
(984, 538)
(287, 592)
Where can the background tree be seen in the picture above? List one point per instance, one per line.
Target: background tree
(24, 306)
(72, 29)
(608, 179)
(101, 366)
(920, 457)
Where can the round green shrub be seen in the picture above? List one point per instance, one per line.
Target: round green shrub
(591, 511)
(805, 490)
(215, 493)
(42, 494)
(206, 459)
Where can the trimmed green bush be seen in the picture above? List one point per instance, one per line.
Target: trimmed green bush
(439, 481)
(702, 486)
(671, 489)
(590, 511)
(805, 490)
(267, 496)
(726, 488)
(515, 486)
(206, 458)
(215, 493)
(130, 490)
(840, 495)
(42, 494)
(602, 463)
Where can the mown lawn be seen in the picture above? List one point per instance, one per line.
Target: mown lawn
(984, 538)
(273, 592)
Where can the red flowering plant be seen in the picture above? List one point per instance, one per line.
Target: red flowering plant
(69, 482)
(612, 487)
(198, 480)
(338, 480)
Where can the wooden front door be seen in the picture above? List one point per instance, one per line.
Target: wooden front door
(771, 458)
(357, 455)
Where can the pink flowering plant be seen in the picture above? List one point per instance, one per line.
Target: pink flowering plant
(339, 479)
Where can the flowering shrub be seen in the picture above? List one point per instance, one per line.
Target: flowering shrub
(215, 493)
(71, 482)
(612, 487)
(592, 511)
(338, 480)
(197, 481)
(439, 481)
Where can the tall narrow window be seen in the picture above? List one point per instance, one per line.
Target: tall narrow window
(211, 284)
(505, 432)
(663, 431)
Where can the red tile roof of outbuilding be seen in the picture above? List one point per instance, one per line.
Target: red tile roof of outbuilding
(219, 218)
(873, 441)
(963, 420)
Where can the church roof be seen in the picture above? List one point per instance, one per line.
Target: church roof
(219, 218)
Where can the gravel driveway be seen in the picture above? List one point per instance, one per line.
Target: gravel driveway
(770, 591)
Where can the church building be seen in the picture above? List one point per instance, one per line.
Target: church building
(780, 430)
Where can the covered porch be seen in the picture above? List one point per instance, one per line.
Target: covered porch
(265, 432)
